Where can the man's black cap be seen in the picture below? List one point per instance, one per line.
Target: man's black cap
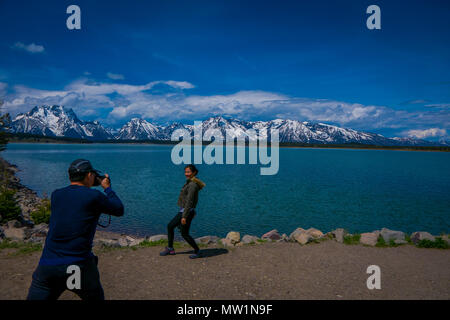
(81, 166)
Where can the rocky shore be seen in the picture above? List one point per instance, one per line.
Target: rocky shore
(24, 230)
(27, 199)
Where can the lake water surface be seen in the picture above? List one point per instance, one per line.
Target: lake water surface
(360, 190)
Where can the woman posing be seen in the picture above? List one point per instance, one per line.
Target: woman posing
(187, 201)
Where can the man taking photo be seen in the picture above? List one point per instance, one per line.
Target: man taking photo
(75, 211)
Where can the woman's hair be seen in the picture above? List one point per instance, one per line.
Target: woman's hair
(192, 168)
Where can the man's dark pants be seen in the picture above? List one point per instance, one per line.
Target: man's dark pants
(49, 282)
(184, 228)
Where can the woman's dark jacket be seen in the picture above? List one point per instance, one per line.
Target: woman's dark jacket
(189, 195)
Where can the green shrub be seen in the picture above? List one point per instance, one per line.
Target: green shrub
(408, 238)
(42, 214)
(352, 238)
(439, 243)
(381, 242)
(8, 244)
(162, 242)
(20, 247)
(9, 209)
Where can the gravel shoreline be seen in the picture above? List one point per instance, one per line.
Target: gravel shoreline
(328, 270)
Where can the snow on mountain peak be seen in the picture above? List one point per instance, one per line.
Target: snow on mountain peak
(57, 121)
(62, 122)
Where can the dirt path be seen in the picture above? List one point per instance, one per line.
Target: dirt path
(328, 270)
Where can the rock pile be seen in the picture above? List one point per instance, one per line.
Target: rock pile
(15, 230)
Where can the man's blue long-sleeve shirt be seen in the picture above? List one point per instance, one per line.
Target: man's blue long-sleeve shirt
(75, 213)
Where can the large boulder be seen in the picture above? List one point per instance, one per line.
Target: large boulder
(18, 234)
(34, 239)
(107, 242)
(131, 241)
(226, 242)
(38, 233)
(128, 241)
(157, 237)
(233, 237)
(389, 235)
(14, 224)
(301, 236)
(339, 234)
(294, 233)
(284, 238)
(248, 239)
(40, 230)
(272, 235)
(207, 239)
(416, 237)
(123, 242)
(136, 242)
(369, 238)
(315, 233)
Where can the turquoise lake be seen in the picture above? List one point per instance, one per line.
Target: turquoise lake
(359, 190)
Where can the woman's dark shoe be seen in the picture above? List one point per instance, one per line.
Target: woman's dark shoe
(167, 251)
(195, 255)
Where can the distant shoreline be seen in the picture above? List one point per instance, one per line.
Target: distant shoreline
(28, 138)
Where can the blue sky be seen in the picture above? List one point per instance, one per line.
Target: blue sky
(255, 60)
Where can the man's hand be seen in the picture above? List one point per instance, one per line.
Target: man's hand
(106, 183)
(183, 221)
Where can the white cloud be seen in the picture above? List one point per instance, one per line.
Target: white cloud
(32, 48)
(418, 101)
(114, 102)
(427, 133)
(115, 76)
(84, 94)
(179, 84)
(438, 105)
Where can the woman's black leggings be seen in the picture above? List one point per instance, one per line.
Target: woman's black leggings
(175, 222)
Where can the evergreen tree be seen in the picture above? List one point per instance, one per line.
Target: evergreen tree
(9, 209)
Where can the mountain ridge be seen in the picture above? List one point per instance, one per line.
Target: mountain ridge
(59, 121)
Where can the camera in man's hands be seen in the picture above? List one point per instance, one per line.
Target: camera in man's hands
(99, 177)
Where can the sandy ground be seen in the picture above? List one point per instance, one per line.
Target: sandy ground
(327, 270)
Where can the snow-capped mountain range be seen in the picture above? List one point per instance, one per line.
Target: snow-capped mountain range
(58, 121)
(63, 122)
